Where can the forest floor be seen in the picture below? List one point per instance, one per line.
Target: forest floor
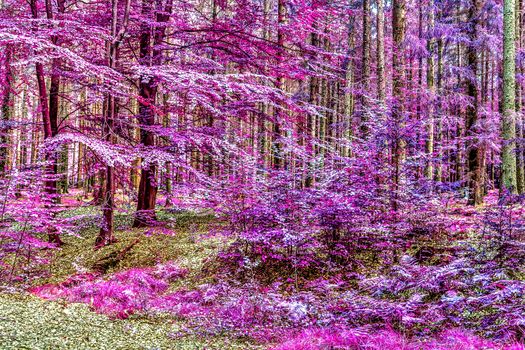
(30, 322)
(162, 288)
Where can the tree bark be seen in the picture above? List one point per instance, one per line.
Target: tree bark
(348, 67)
(6, 111)
(365, 68)
(475, 196)
(429, 143)
(50, 182)
(398, 86)
(520, 146)
(147, 195)
(381, 78)
(106, 235)
(508, 127)
(278, 156)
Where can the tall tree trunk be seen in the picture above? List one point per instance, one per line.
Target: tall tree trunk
(398, 86)
(6, 110)
(429, 143)
(278, 156)
(348, 67)
(147, 195)
(520, 147)
(365, 68)
(508, 127)
(54, 91)
(50, 182)
(474, 155)
(106, 235)
(381, 77)
(439, 131)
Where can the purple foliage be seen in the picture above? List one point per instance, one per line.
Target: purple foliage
(119, 295)
(323, 338)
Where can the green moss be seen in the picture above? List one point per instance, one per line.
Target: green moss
(180, 240)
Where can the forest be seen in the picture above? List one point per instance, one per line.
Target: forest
(262, 174)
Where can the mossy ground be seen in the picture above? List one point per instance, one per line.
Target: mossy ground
(179, 239)
(27, 322)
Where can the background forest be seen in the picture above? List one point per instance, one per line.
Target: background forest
(273, 174)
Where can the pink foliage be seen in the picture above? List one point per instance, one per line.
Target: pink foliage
(351, 339)
(119, 295)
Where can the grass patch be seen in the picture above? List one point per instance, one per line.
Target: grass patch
(27, 322)
(179, 240)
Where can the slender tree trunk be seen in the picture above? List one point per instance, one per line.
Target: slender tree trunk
(382, 153)
(398, 86)
(429, 143)
(381, 78)
(106, 235)
(54, 91)
(439, 132)
(473, 151)
(6, 111)
(508, 128)
(50, 182)
(520, 146)
(348, 67)
(147, 90)
(365, 68)
(278, 156)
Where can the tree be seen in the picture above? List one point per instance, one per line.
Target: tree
(473, 151)
(365, 66)
(150, 54)
(381, 78)
(117, 35)
(49, 123)
(6, 108)
(429, 143)
(508, 127)
(520, 120)
(398, 86)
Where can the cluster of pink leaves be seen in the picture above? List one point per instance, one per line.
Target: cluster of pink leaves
(240, 310)
(26, 218)
(119, 295)
(324, 338)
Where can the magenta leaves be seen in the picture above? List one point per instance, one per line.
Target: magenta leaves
(323, 338)
(119, 295)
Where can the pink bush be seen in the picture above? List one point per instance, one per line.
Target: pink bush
(120, 295)
(323, 338)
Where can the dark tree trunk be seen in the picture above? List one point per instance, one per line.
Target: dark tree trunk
(147, 195)
(381, 78)
(50, 182)
(278, 156)
(473, 152)
(6, 110)
(106, 235)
